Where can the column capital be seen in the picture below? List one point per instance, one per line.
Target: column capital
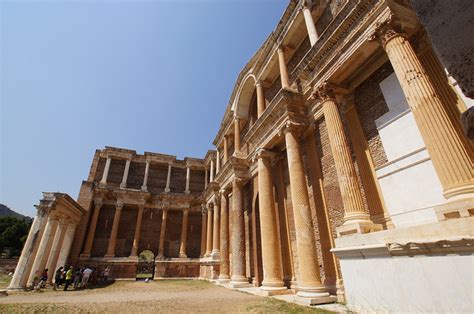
(325, 91)
(203, 209)
(263, 153)
(98, 202)
(290, 126)
(386, 30)
(119, 204)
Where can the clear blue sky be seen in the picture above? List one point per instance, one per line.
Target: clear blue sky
(146, 75)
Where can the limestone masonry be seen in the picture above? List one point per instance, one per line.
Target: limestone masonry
(341, 174)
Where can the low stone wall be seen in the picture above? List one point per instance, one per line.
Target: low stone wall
(177, 269)
(8, 265)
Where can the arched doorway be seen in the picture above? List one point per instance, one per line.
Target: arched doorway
(146, 265)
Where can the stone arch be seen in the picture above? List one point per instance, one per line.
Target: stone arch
(243, 97)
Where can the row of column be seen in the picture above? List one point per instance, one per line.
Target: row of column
(47, 246)
(113, 234)
(144, 187)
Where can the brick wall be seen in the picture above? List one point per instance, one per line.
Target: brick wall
(150, 230)
(173, 233)
(116, 170)
(193, 239)
(136, 174)
(178, 180)
(157, 178)
(196, 181)
(126, 231)
(102, 232)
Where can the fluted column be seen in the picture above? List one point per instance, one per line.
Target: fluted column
(44, 247)
(310, 26)
(114, 231)
(55, 248)
(238, 235)
(260, 98)
(145, 178)
(105, 174)
(161, 245)
(308, 276)
(138, 227)
(184, 234)
(285, 79)
(125, 174)
(271, 247)
(236, 135)
(168, 179)
(209, 231)
(224, 234)
(27, 257)
(215, 232)
(450, 151)
(356, 218)
(67, 243)
(92, 228)
(203, 230)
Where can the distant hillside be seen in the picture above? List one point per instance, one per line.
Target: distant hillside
(6, 211)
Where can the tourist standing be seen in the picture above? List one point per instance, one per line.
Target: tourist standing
(77, 278)
(86, 276)
(57, 277)
(68, 278)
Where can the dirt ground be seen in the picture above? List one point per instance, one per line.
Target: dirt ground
(158, 296)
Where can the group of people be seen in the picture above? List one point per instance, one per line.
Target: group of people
(79, 277)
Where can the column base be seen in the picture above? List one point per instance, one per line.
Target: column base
(303, 300)
(15, 288)
(167, 190)
(357, 227)
(223, 280)
(239, 282)
(215, 255)
(144, 189)
(183, 255)
(456, 207)
(109, 255)
(123, 186)
(84, 255)
(271, 291)
(187, 192)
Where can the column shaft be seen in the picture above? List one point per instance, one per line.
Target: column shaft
(271, 248)
(67, 243)
(218, 161)
(238, 232)
(28, 253)
(125, 174)
(211, 174)
(308, 276)
(43, 249)
(450, 151)
(184, 234)
(215, 231)
(260, 99)
(236, 135)
(209, 231)
(188, 178)
(310, 26)
(145, 178)
(138, 227)
(206, 178)
(105, 174)
(168, 179)
(285, 79)
(203, 232)
(113, 233)
(92, 228)
(161, 246)
(55, 249)
(226, 148)
(224, 234)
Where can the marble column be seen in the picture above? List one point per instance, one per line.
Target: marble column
(209, 231)
(168, 179)
(226, 148)
(308, 276)
(271, 246)
(188, 178)
(92, 228)
(105, 174)
(215, 232)
(218, 161)
(310, 26)
(184, 234)
(373, 193)
(67, 244)
(236, 135)
(123, 185)
(260, 98)
(161, 245)
(28, 253)
(450, 151)
(145, 178)
(203, 230)
(206, 177)
(356, 218)
(138, 227)
(284, 77)
(55, 249)
(238, 236)
(44, 248)
(224, 234)
(113, 234)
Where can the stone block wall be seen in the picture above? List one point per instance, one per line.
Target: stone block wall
(126, 231)
(102, 233)
(173, 233)
(193, 239)
(136, 174)
(150, 230)
(157, 178)
(178, 180)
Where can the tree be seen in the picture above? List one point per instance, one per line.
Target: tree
(13, 234)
